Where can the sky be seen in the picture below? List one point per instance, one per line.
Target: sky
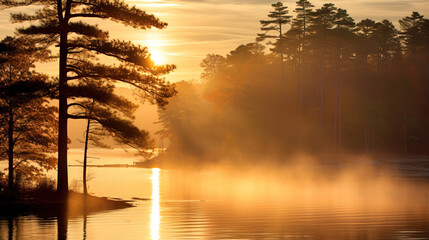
(200, 27)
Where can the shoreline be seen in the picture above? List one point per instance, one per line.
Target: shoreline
(75, 205)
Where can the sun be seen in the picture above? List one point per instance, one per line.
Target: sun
(157, 57)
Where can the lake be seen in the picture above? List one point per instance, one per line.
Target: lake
(363, 203)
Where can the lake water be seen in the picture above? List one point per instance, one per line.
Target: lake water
(208, 205)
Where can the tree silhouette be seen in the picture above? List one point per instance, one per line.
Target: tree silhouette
(321, 24)
(343, 33)
(102, 123)
(366, 29)
(387, 44)
(303, 12)
(362, 93)
(212, 65)
(411, 36)
(28, 123)
(178, 120)
(279, 19)
(300, 23)
(79, 43)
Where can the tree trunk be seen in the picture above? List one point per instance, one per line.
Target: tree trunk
(322, 96)
(366, 136)
(281, 52)
(11, 185)
(85, 154)
(405, 137)
(340, 124)
(335, 140)
(301, 84)
(62, 184)
(62, 128)
(302, 53)
(366, 92)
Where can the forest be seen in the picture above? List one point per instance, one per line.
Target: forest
(315, 81)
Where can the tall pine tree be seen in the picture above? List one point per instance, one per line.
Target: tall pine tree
(303, 12)
(279, 19)
(79, 43)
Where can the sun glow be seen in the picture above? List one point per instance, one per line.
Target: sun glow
(155, 218)
(157, 57)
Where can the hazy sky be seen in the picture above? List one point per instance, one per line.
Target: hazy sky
(199, 27)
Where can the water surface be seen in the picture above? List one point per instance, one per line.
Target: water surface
(171, 215)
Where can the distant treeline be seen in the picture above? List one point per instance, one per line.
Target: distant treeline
(327, 84)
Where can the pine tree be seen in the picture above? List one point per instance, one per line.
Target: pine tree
(279, 19)
(303, 10)
(365, 32)
(365, 48)
(321, 24)
(79, 43)
(27, 122)
(414, 35)
(411, 36)
(343, 36)
(386, 44)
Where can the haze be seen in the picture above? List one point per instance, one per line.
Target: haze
(197, 28)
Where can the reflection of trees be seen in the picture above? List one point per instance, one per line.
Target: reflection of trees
(10, 228)
(85, 222)
(62, 225)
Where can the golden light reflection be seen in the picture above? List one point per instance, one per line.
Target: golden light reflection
(155, 218)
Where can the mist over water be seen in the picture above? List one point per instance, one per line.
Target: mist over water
(310, 199)
(300, 180)
(304, 181)
(305, 198)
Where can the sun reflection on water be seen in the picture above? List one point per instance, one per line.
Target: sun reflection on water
(155, 217)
